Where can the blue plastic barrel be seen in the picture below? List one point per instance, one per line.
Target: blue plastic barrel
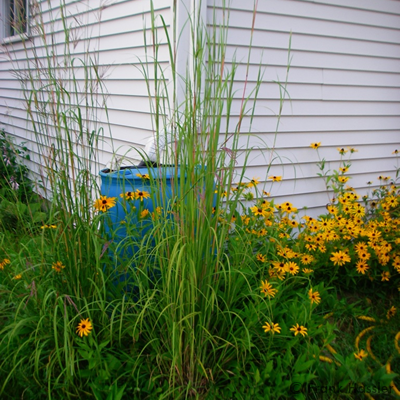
(131, 179)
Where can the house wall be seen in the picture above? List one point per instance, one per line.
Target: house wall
(106, 38)
(343, 85)
(343, 89)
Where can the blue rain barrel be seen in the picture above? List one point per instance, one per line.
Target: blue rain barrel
(130, 181)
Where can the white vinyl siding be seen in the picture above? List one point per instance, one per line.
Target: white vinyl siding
(343, 83)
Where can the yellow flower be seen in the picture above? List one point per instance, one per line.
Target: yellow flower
(343, 179)
(261, 258)
(391, 312)
(362, 267)
(128, 195)
(144, 213)
(307, 270)
(141, 194)
(58, 266)
(143, 176)
(340, 258)
(271, 328)
(259, 211)
(361, 355)
(48, 226)
(315, 145)
(292, 268)
(314, 296)
(280, 266)
(343, 169)
(267, 289)
(396, 152)
(84, 327)
(342, 150)
(307, 259)
(16, 277)
(275, 178)
(253, 182)
(104, 203)
(385, 276)
(299, 329)
(266, 193)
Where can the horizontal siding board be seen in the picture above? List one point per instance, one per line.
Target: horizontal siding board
(316, 59)
(318, 11)
(308, 27)
(327, 108)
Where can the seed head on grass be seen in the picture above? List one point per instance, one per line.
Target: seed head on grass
(84, 327)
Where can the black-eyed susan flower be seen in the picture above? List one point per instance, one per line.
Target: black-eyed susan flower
(128, 195)
(259, 211)
(396, 263)
(261, 258)
(141, 194)
(395, 152)
(104, 203)
(343, 179)
(267, 289)
(307, 259)
(292, 267)
(279, 265)
(342, 150)
(391, 312)
(84, 327)
(385, 276)
(143, 176)
(314, 296)
(299, 329)
(275, 178)
(315, 145)
(254, 182)
(307, 271)
(58, 266)
(360, 355)
(361, 267)
(272, 328)
(340, 258)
